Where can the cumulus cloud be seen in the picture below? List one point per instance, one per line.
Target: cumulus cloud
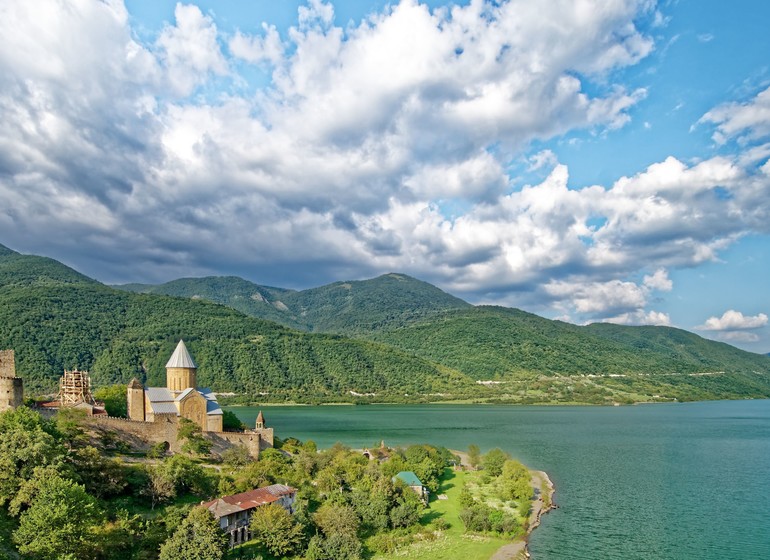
(738, 336)
(640, 317)
(659, 281)
(260, 48)
(732, 320)
(384, 145)
(749, 120)
(189, 49)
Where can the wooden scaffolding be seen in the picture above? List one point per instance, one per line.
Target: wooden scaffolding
(75, 388)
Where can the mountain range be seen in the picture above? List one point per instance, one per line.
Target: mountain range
(391, 338)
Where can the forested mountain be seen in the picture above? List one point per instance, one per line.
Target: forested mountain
(56, 323)
(355, 307)
(264, 302)
(360, 307)
(29, 270)
(411, 339)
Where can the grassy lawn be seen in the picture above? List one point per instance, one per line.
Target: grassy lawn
(452, 543)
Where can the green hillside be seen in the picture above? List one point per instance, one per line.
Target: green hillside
(354, 307)
(56, 323)
(247, 297)
(516, 348)
(411, 339)
(28, 270)
(358, 307)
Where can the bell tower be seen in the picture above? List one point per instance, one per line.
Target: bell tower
(180, 370)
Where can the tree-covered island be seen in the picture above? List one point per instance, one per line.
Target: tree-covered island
(68, 492)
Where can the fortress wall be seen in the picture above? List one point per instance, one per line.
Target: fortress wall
(142, 435)
(224, 440)
(7, 363)
(11, 393)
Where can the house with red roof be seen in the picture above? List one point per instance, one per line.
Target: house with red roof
(234, 512)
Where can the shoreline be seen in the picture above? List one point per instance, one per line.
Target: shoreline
(540, 506)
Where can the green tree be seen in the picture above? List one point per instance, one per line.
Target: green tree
(493, 461)
(516, 481)
(58, 521)
(273, 527)
(160, 486)
(236, 456)
(231, 422)
(334, 547)
(114, 398)
(26, 442)
(198, 537)
(474, 455)
(404, 515)
(102, 477)
(336, 519)
(194, 442)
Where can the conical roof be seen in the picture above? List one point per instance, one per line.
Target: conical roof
(181, 358)
(260, 418)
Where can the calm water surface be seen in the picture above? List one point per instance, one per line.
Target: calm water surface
(675, 481)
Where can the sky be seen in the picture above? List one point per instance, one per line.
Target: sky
(584, 160)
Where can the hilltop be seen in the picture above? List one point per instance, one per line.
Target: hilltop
(393, 337)
(56, 321)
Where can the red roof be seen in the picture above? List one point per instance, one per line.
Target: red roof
(248, 500)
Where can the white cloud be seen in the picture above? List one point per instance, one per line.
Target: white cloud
(190, 50)
(388, 143)
(258, 49)
(749, 120)
(733, 320)
(738, 336)
(599, 297)
(659, 281)
(640, 317)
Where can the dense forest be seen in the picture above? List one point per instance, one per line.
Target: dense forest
(392, 338)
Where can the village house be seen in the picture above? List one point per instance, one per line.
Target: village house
(234, 512)
(411, 480)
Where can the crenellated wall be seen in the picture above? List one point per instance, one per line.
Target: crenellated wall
(142, 435)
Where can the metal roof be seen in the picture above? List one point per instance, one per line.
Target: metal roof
(248, 500)
(184, 393)
(408, 478)
(181, 358)
(159, 394)
(212, 407)
(164, 408)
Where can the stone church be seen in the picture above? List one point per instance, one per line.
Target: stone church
(180, 398)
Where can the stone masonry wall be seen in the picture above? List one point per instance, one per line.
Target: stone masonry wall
(142, 435)
(7, 363)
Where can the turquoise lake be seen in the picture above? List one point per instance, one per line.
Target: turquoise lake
(668, 481)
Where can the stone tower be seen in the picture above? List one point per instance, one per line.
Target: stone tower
(11, 387)
(135, 400)
(181, 370)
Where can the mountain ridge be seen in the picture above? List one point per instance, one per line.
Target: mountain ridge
(410, 338)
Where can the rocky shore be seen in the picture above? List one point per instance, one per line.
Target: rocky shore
(541, 504)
